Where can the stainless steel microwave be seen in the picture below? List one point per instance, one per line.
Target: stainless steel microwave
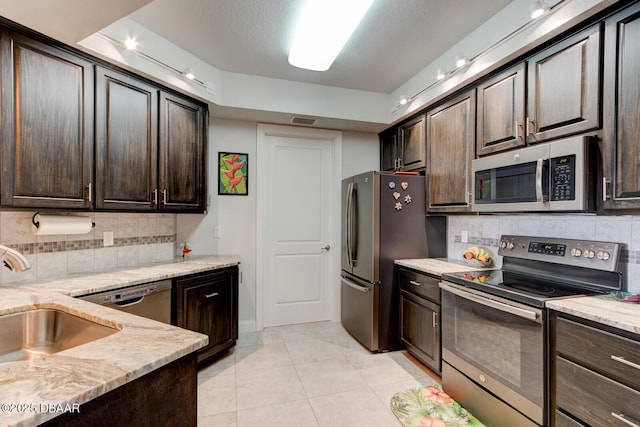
(554, 176)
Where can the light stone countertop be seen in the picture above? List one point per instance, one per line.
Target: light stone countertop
(602, 309)
(436, 266)
(82, 373)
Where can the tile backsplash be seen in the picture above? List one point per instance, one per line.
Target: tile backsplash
(485, 230)
(138, 239)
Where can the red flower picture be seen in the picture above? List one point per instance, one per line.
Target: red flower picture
(232, 179)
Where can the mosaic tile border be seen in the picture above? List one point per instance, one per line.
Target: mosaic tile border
(79, 245)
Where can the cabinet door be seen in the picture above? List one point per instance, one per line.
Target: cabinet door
(47, 125)
(621, 151)
(182, 182)
(450, 146)
(208, 303)
(126, 142)
(563, 87)
(412, 144)
(420, 330)
(389, 150)
(501, 118)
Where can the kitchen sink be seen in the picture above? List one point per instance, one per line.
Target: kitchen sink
(40, 332)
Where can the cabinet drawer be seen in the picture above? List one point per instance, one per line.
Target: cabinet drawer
(606, 353)
(420, 284)
(593, 398)
(563, 420)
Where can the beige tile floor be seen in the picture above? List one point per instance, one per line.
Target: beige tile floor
(308, 375)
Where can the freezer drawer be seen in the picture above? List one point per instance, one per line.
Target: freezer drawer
(359, 312)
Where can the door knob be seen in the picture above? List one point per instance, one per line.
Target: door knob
(326, 248)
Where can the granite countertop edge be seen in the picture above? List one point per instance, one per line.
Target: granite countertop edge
(82, 373)
(601, 309)
(436, 266)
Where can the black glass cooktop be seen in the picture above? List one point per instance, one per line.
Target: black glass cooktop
(527, 290)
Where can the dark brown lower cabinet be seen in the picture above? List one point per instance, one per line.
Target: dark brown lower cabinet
(420, 317)
(164, 397)
(595, 374)
(208, 303)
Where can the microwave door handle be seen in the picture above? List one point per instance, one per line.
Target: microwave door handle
(539, 195)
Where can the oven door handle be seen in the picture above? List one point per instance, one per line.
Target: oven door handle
(517, 311)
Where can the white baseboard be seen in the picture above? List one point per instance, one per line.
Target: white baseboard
(247, 326)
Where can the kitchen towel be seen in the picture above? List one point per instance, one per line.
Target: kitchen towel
(45, 225)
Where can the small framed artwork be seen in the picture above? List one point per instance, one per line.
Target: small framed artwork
(233, 169)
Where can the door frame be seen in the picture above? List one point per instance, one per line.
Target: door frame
(262, 250)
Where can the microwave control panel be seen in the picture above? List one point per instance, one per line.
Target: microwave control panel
(563, 178)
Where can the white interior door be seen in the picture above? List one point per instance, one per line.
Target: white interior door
(296, 210)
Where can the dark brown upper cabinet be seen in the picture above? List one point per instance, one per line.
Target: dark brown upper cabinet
(501, 116)
(181, 176)
(621, 128)
(389, 149)
(411, 138)
(126, 142)
(47, 125)
(150, 147)
(402, 148)
(450, 148)
(563, 95)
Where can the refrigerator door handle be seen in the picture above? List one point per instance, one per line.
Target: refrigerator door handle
(349, 223)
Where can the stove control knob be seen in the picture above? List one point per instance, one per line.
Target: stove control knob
(604, 255)
(503, 244)
(510, 245)
(589, 253)
(576, 252)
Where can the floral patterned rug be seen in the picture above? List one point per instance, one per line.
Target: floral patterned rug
(430, 407)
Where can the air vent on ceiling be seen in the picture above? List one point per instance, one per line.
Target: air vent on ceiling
(308, 121)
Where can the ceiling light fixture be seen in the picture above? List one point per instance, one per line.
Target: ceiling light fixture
(322, 31)
(461, 61)
(131, 44)
(441, 74)
(403, 100)
(538, 8)
(186, 73)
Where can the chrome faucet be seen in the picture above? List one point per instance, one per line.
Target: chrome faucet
(14, 260)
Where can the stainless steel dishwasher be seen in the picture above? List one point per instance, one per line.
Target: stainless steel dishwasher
(150, 300)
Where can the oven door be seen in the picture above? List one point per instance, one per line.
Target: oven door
(498, 344)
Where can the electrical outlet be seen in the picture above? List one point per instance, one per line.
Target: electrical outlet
(216, 232)
(107, 238)
(464, 236)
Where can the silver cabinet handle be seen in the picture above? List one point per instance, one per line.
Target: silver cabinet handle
(88, 198)
(517, 132)
(326, 248)
(625, 361)
(604, 188)
(434, 319)
(164, 196)
(215, 294)
(414, 283)
(155, 196)
(624, 419)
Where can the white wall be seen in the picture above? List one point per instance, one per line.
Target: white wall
(235, 216)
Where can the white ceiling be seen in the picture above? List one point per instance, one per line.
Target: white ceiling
(396, 39)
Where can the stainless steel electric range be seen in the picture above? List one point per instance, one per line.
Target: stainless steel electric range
(495, 325)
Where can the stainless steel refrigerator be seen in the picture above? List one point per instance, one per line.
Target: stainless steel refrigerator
(383, 220)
